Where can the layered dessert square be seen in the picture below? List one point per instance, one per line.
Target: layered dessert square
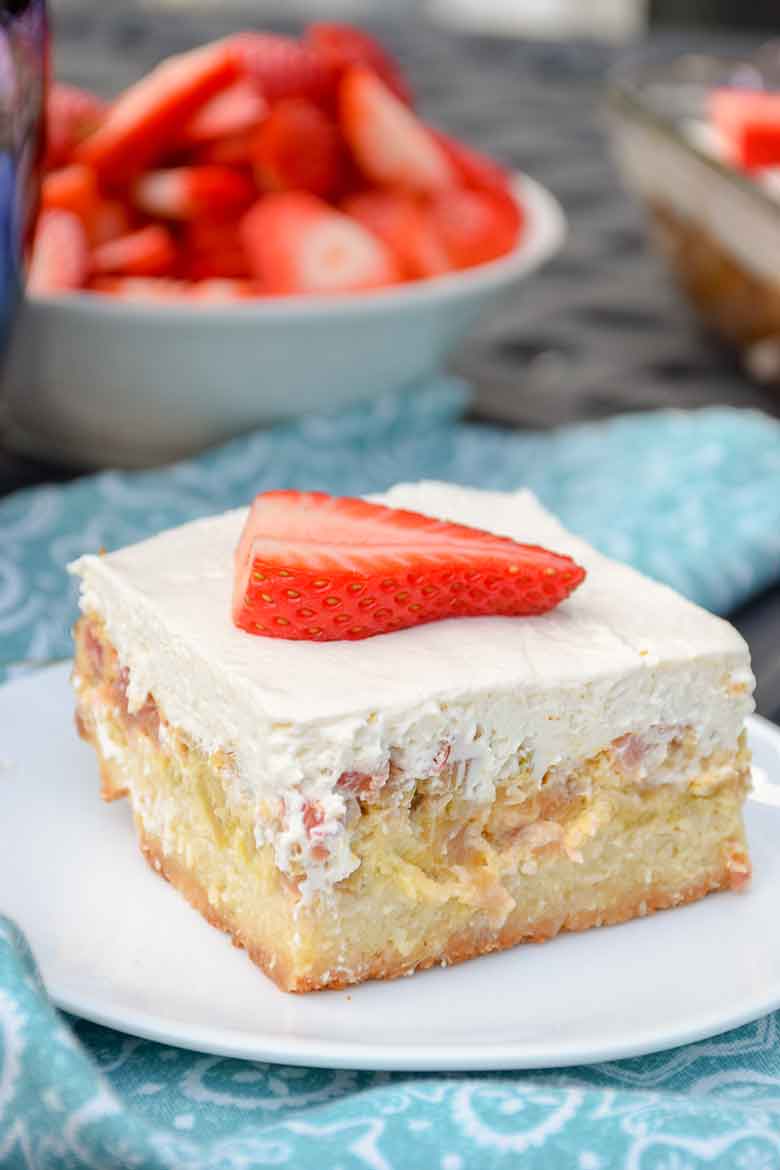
(351, 810)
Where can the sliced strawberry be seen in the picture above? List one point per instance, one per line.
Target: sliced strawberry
(213, 250)
(315, 567)
(222, 290)
(150, 251)
(147, 119)
(60, 258)
(400, 220)
(298, 147)
(235, 150)
(71, 115)
(141, 288)
(73, 188)
(390, 144)
(749, 121)
(342, 45)
(280, 66)
(235, 110)
(296, 243)
(474, 169)
(473, 226)
(110, 218)
(190, 192)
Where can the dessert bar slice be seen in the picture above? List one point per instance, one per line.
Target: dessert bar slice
(350, 810)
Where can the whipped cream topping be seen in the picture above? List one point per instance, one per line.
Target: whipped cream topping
(623, 653)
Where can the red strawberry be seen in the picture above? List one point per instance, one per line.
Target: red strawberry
(71, 114)
(232, 150)
(391, 145)
(213, 250)
(473, 226)
(298, 147)
(342, 45)
(399, 219)
(281, 66)
(147, 119)
(73, 188)
(191, 192)
(150, 251)
(749, 120)
(314, 567)
(141, 288)
(474, 169)
(236, 109)
(60, 258)
(296, 243)
(110, 218)
(222, 290)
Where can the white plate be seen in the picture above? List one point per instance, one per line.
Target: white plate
(119, 946)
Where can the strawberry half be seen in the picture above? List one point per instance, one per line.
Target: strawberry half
(298, 147)
(191, 192)
(60, 259)
(401, 221)
(314, 567)
(147, 119)
(141, 288)
(473, 226)
(236, 109)
(391, 145)
(212, 250)
(71, 115)
(73, 188)
(150, 251)
(280, 66)
(343, 45)
(474, 169)
(297, 243)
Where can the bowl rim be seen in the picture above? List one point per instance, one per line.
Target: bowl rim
(544, 231)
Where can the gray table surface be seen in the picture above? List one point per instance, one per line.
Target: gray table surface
(599, 331)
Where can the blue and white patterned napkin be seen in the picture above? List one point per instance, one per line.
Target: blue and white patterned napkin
(692, 499)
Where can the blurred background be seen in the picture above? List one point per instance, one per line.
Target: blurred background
(601, 330)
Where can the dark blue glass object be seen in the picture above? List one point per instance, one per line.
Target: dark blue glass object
(23, 79)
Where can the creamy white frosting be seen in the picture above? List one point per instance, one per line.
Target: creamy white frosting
(623, 653)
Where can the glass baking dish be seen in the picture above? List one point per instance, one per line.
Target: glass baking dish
(718, 226)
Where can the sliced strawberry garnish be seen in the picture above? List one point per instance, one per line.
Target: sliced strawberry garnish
(473, 226)
(213, 250)
(60, 257)
(71, 115)
(390, 144)
(298, 147)
(749, 121)
(235, 110)
(280, 66)
(190, 192)
(147, 119)
(315, 567)
(151, 251)
(342, 45)
(72, 188)
(400, 220)
(296, 243)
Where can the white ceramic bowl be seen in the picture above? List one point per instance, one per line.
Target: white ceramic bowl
(98, 382)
